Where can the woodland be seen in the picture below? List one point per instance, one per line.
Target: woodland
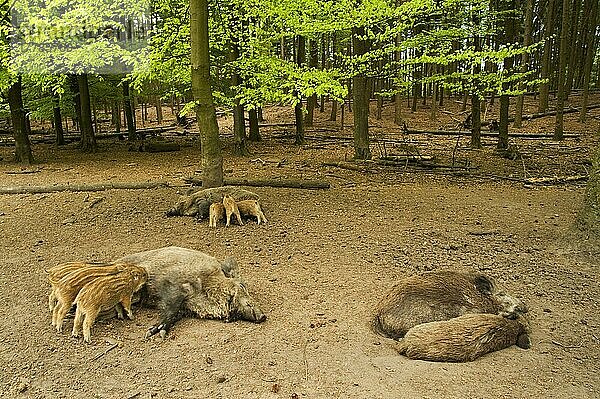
(384, 138)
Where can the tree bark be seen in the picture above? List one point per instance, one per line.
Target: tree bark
(298, 111)
(563, 55)
(311, 102)
(131, 133)
(74, 87)
(524, 60)
(546, 55)
(23, 154)
(254, 128)
(509, 37)
(239, 124)
(361, 99)
(212, 159)
(592, 43)
(57, 118)
(88, 139)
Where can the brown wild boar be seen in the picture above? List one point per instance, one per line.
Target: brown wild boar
(464, 338)
(252, 208)
(231, 208)
(57, 272)
(440, 295)
(182, 279)
(67, 288)
(105, 293)
(198, 203)
(216, 213)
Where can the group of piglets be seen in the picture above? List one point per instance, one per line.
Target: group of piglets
(92, 288)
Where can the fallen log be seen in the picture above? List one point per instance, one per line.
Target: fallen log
(279, 183)
(484, 134)
(81, 187)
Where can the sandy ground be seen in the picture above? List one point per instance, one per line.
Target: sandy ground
(317, 268)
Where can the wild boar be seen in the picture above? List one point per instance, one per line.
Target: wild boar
(440, 295)
(215, 213)
(67, 288)
(464, 338)
(184, 279)
(231, 208)
(57, 272)
(252, 208)
(105, 293)
(198, 203)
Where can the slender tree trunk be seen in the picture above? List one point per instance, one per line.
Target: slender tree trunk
(334, 106)
(311, 102)
(361, 100)
(131, 133)
(592, 43)
(524, 60)
(74, 86)
(212, 159)
(574, 45)
(159, 113)
(23, 154)
(475, 100)
(563, 55)
(57, 118)
(298, 111)
(547, 55)
(509, 35)
(253, 121)
(88, 139)
(239, 124)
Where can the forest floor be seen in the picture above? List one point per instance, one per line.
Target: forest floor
(317, 268)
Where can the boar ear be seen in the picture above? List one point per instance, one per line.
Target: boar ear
(230, 268)
(523, 341)
(484, 284)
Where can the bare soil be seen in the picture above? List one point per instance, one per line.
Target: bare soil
(318, 267)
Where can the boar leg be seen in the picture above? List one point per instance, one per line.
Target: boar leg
(171, 302)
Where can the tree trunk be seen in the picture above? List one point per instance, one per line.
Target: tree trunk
(253, 121)
(334, 106)
(88, 139)
(298, 111)
(361, 99)
(23, 154)
(74, 86)
(574, 45)
(509, 37)
(159, 114)
(592, 43)
(311, 102)
(57, 118)
(239, 124)
(563, 55)
(524, 60)
(212, 159)
(131, 133)
(547, 55)
(475, 121)
(398, 120)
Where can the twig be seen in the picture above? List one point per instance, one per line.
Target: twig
(305, 361)
(566, 346)
(99, 355)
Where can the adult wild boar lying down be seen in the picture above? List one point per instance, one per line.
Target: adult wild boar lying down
(437, 296)
(183, 280)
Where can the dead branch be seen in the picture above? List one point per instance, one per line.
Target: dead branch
(99, 355)
(81, 187)
(279, 183)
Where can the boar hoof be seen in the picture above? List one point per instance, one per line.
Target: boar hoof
(160, 328)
